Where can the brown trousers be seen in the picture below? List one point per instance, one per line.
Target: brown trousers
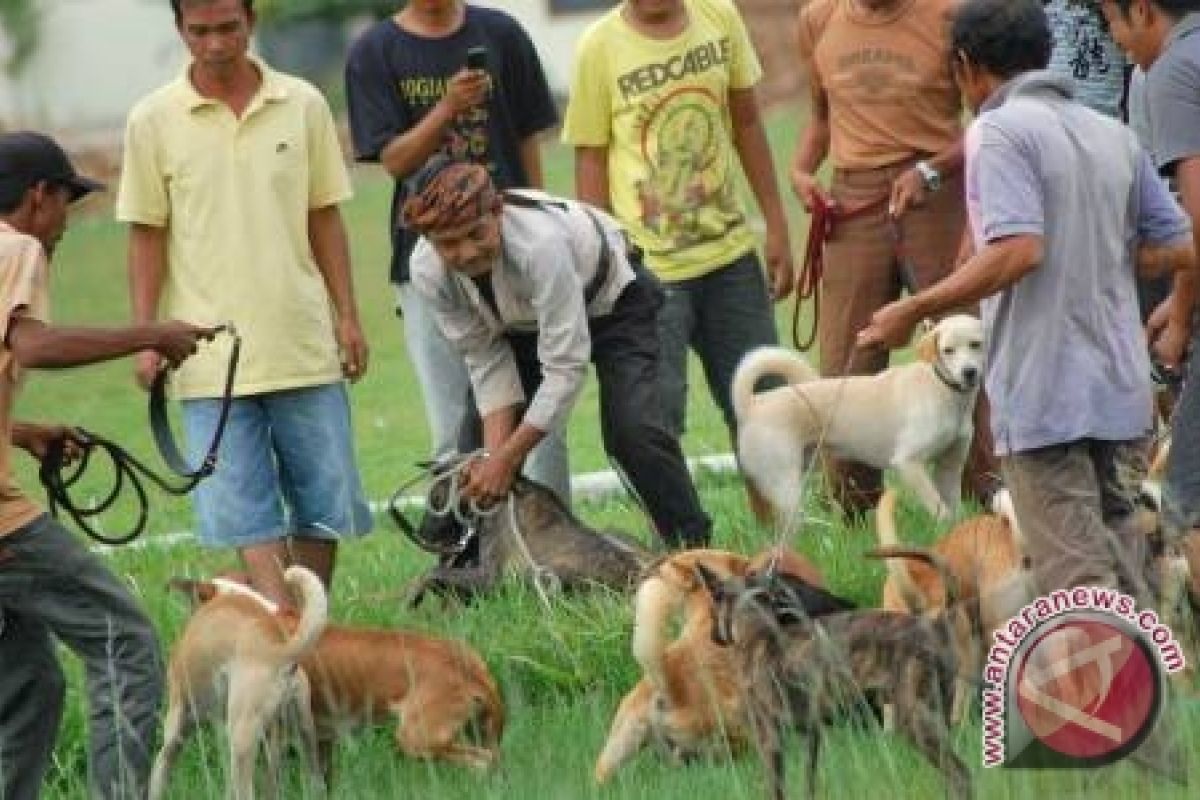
(1076, 503)
(864, 272)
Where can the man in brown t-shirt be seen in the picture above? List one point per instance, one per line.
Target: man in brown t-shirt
(886, 112)
(51, 587)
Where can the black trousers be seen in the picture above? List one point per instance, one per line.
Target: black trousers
(625, 354)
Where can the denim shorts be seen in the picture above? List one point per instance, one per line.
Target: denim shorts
(285, 467)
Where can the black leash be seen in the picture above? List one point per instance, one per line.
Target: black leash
(58, 479)
(442, 549)
(160, 424)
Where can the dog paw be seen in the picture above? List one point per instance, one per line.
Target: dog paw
(414, 594)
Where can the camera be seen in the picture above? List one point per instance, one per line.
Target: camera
(477, 58)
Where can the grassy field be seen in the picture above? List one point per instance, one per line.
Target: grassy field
(561, 671)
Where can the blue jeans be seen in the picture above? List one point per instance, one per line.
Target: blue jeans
(285, 468)
(53, 589)
(722, 316)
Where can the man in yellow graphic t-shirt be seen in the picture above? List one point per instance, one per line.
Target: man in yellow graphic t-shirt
(662, 111)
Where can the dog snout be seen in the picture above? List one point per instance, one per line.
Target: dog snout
(970, 375)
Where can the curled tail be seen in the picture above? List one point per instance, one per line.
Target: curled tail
(314, 611)
(885, 528)
(671, 586)
(949, 582)
(1002, 505)
(767, 361)
(658, 598)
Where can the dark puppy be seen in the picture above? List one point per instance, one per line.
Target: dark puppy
(798, 669)
(530, 533)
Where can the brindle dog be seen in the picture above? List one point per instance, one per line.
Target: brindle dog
(800, 670)
(531, 533)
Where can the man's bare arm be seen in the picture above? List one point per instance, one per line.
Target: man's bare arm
(591, 176)
(331, 251)
(530, 152)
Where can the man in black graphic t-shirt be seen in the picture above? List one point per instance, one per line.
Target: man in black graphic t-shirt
(410, 96)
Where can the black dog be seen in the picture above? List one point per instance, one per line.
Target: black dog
(531, 533)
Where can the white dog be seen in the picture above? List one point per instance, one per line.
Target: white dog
(916, 418)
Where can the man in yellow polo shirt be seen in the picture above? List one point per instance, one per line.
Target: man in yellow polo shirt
(231, 184)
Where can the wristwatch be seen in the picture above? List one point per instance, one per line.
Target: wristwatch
(932, 178)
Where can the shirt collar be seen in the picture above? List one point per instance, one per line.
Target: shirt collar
(1040, 81)
(1187, 24)
(272, 88)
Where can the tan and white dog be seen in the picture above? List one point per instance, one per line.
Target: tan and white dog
(688, 698)
(239, 660)
(431, 689)
(916, 418)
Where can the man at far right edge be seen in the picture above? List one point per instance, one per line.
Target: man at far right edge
(1065, 208)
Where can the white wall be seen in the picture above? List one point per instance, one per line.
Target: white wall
(553, 34)
(96, 58)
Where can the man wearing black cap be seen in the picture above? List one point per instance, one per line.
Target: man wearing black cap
(51, 587)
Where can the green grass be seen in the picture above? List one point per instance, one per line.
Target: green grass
(561, 672)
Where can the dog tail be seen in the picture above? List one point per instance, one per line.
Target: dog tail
(199, 592)
(949, 582)
(885, 526)
(763, 361)
(657, 599)
(1002, 505)
(314, 611)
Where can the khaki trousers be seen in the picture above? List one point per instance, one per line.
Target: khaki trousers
(869, 262)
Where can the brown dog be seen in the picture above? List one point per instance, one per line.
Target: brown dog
(431, 688)
(986, 558)
(236, 653)
(688, 696)
(796, 670)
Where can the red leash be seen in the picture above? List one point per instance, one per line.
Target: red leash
(824, 219)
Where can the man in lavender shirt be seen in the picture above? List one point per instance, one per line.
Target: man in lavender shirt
(1062, 202)
(1065, 209)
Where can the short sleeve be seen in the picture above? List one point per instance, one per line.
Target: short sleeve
(533, 105)
(142, 192)
(744, 67)
(1010, 195)
(1160, 220)
(1173, 103)
(808, 32)
(372, 101)
(589, 111)
(329, 181)
(22, 280)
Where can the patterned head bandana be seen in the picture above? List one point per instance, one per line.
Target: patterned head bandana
(445, 194)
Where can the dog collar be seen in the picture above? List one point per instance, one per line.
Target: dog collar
(945, 377)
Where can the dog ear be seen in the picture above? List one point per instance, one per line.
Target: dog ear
(198, 592)
(927, 344)
(712, 582)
